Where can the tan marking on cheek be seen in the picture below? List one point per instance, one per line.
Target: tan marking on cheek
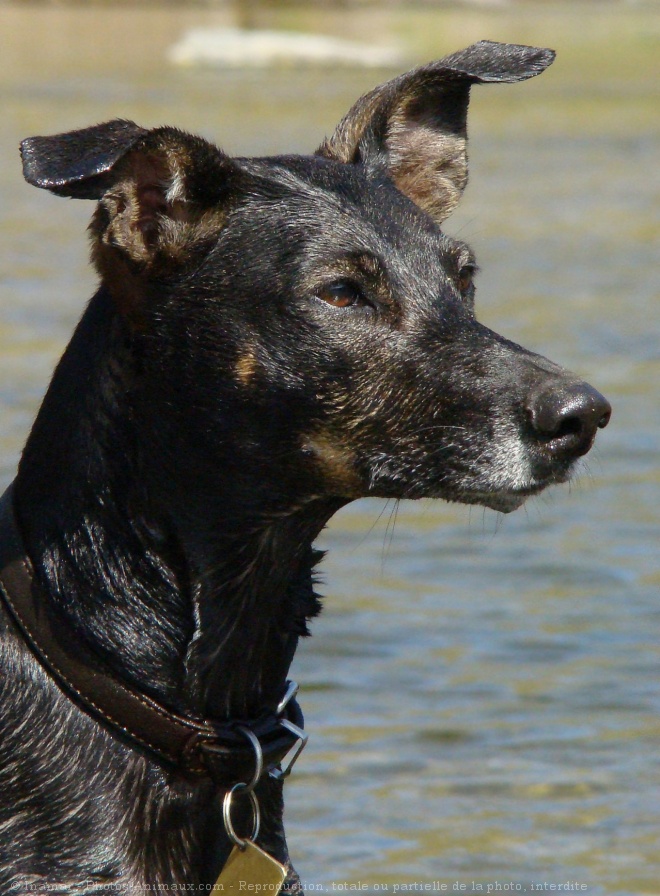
(247, 366)
(336, 463)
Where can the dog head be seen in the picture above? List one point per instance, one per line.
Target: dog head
(305, 328)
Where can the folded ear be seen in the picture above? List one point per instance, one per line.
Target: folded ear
(79, 163)
(415, 125)
(155, 187)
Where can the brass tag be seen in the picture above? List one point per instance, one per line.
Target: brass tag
(250, 870)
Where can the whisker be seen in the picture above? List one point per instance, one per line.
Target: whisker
(389, 531)
(375, 523)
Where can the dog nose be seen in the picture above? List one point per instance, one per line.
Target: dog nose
(566, 417)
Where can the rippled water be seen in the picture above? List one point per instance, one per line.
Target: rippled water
(481, 691)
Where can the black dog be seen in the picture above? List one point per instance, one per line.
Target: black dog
(272, 338)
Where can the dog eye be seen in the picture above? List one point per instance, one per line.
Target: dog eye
(466, 277)
(342, 294)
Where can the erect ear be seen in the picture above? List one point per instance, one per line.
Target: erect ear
(157, 189)
(416, 124)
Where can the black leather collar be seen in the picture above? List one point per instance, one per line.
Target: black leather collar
(219, 750)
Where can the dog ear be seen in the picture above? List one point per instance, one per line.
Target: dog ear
(415, 125)
(79, 163)
(153, 186)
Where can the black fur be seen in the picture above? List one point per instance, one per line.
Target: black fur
(271, 339)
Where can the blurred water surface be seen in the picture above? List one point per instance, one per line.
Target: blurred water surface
(482, 692)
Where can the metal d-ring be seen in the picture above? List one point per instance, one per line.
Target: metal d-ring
(258, 758)
(226, 815)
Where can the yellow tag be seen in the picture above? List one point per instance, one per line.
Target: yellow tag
(251, 871)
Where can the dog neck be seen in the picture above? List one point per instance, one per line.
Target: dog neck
(200, 607)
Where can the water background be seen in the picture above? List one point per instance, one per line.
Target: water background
(481, 691)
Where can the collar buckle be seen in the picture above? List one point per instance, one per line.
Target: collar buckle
(282, 771)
